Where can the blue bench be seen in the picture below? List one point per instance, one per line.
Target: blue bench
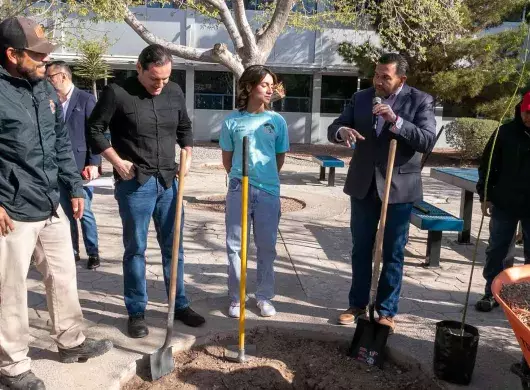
(331, 163)
(425, 216)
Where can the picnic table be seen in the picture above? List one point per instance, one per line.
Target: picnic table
(466, 179)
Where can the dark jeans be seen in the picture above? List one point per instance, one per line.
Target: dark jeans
(502, 230)
(138, 204)
(365, 215)
(89, 227)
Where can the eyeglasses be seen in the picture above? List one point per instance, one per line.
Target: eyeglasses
(53, 75)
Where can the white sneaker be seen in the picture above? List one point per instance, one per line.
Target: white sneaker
(233, 310)
(267, 310)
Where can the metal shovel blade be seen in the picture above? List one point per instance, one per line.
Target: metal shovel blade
(369, 342)
(161, 363)
(234, 354)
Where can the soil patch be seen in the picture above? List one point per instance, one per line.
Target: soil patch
(517, 297)
(284, 362)
(217, 203)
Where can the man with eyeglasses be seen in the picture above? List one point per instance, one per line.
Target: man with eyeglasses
(35, 153)
(77, 106)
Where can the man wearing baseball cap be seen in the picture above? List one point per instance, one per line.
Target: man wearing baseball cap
(508, 196)
(35, 153)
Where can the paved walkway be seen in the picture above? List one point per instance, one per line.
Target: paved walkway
(313, 274)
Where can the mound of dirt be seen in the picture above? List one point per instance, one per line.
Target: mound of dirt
(284, 361)
(217, 203)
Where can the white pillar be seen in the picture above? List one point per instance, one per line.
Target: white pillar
(314, 135)
(190, 93)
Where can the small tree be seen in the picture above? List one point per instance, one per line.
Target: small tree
(470, 136)
(91, 65)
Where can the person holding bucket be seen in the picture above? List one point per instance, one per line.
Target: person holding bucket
(508, 196)
(375, 116)
(268, 143)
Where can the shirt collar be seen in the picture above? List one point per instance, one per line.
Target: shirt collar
(394, 95)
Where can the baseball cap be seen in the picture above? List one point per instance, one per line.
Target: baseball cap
(23, 33)
(525, 105)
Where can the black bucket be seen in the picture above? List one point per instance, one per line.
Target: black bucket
(454, 356)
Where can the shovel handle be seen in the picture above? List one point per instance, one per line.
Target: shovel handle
(382, 222)
(244, 247)
(175, 251)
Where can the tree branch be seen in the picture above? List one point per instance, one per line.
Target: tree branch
(218, 54)
(249, 39)
(228, 21)
(278, 21)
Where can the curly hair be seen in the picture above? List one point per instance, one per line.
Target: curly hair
(250, 78)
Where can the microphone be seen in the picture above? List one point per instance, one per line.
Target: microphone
(376, 100)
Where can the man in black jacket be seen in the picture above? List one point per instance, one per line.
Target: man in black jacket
(508, 194)
(146, 117)
(35, 152)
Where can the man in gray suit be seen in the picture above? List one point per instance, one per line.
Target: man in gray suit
(407, 115)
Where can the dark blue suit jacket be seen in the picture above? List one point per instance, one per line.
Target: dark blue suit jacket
(417, 136)
(79, 109)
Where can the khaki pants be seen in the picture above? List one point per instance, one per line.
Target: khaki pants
(52, 244)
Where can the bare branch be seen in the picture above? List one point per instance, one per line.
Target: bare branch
(218, 54)
(249, 39)
(228, 21)
(278, 21)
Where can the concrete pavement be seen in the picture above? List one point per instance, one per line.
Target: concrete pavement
(313, 274)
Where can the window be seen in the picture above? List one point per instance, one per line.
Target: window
(177, 76)
(336, 93)
(297, 93)
(213, 90)
(366, 83)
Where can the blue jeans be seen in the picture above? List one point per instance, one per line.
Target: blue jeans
(365, 215)
(502, 230)
(89, 227)
(138, 204)
(264, 214)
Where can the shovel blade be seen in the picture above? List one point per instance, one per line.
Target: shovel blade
(161, 362)
(369, 342)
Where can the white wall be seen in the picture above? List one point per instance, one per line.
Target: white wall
(207, 124)
(299, 124)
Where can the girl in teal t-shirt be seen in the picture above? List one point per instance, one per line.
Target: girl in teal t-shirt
(268, 143)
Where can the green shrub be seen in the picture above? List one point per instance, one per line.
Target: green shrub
(469, 135)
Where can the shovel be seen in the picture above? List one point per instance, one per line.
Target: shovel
(238, 353)
(162, 359)
(369, 339)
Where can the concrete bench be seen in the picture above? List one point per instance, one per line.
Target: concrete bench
(425, 216)
(328, 162)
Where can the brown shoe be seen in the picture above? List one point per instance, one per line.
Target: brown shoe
(351, 315)
(388, 321)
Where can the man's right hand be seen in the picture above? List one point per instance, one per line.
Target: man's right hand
(350, 136)
(125, 169)
(6, 224)
(486, 208)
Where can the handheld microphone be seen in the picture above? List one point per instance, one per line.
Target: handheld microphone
(376, 100)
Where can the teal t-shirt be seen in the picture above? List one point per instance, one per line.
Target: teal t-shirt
(267, 135)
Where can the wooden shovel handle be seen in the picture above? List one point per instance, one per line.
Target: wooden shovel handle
(382, 222)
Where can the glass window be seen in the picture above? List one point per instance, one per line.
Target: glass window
(366, 83)
(213, 90)
(297, 93)
(336, 93)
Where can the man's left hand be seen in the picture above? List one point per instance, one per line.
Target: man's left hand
(385, 111)
(91, 172)
(78, 207)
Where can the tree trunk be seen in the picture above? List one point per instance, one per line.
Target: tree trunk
(94, 89)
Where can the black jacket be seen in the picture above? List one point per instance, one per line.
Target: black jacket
(509, 180)
(35, 150)
(144, 128)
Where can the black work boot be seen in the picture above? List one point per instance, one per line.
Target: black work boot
(189, 317)
(93, 262)
(486, 303)
(25, 381)
(136, 327)
(88, 349)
